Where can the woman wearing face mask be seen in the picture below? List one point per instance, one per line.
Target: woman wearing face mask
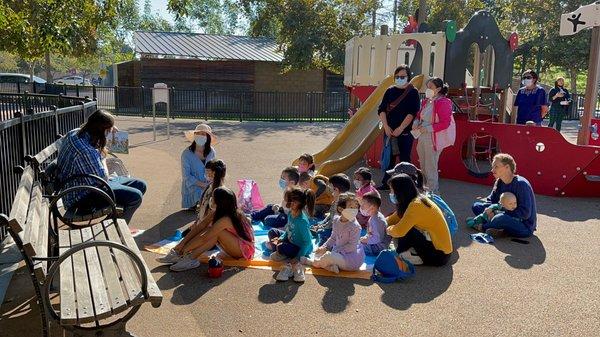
(397, 111)
(560, 98)
(435, 116)
(226, 226)
(418, 224)
(193, 161)
(531, 101)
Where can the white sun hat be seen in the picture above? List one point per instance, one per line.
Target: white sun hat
(190, 135)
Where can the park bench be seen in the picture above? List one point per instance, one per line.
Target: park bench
(90, 279)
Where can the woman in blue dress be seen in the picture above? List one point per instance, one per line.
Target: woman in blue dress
(193, 160)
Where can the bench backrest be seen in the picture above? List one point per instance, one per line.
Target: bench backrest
(29, 222)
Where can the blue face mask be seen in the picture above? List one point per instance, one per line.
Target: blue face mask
(282, 184)
(393, 199)
(401, 81)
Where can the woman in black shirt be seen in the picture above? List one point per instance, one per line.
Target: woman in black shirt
(560, 99)
(397, 115)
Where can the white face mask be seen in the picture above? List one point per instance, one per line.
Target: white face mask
(357, 184)
(200, 140)
(350, 213)
(527, 82)
(429, 93)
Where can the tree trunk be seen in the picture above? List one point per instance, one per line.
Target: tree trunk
(573, 80)
(395, 16)
(31, 73)
(48, 68)
(422, 12)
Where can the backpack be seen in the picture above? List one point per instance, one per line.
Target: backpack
(446, 211)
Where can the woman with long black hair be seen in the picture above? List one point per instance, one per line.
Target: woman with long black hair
(193, 164)
(227, 227)
(418, 224)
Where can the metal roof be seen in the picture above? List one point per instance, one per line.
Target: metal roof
(207, 47)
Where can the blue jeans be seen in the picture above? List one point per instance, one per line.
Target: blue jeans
(269, 218)
(128, 194)
(511, 226)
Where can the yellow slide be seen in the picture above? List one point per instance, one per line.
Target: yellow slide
(359, 133)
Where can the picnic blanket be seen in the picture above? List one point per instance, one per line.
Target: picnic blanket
(261, 259)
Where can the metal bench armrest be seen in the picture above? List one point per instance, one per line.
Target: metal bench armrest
(96, 178)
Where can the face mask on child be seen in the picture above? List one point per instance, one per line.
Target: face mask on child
(393, 198)
(350, 213)
(357, 184)
(200, 140)
(282, 184)
(302, 168)
(429, 93)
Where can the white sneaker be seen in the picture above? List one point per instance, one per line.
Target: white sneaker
(172, 257)
(304, 260)
(412, 258)
(333, 268)
(186, 263)
(299, 273)
(275, 256)
(285, 273)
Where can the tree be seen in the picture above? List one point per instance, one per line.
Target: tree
(8, 62)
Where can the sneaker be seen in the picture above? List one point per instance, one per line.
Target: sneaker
(415, 259)
(304, 260)
(275, 256)
(299, 273)
(171, 258)
(285, 273)
(186, 263)
(333, 268)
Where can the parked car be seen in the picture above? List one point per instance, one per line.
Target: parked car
(72, 80)
(19, 78)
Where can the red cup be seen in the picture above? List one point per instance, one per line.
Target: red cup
(215, 272)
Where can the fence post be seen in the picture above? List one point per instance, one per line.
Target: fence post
(65, 89)
(94, 92)
(55, 111)
(82, 112)
(34, 87)
(143, 100)
(205, 104)
(116, 100)
(240, 106)
(171, 105)
(22, 136)
(25, 103)
(18, 87)
(77, 90)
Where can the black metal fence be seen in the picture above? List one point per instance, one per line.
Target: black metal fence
(27, 134)
(208, 104)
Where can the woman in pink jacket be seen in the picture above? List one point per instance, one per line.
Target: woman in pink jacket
(435, 116)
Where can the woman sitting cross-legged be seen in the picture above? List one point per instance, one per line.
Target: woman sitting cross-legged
(226, 227)
(418, 223)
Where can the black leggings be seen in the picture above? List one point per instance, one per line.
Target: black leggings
(405, 144)
(427, 252)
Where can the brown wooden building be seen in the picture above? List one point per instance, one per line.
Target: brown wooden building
(217, 62)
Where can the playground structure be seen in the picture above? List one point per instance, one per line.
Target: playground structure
(477, 63)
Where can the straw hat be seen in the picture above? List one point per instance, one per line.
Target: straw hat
(200, 129)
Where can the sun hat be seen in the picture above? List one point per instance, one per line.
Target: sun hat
(190, 134)
(403, 167)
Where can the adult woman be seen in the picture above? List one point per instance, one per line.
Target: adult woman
(560, 98)
(419, 225)
(397, 111)
(226, 227)
(81, 152)
(193, 161)
(531, 101)
(520, 222)
(434, 117)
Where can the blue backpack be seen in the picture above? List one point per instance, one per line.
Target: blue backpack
(446, 210)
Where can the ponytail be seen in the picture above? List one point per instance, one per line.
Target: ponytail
(306, 198)
(309, 196)
(419, 180)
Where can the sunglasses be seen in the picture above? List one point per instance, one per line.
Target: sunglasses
(402, 77)
(527, 77)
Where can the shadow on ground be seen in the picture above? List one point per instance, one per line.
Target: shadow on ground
(338, 292)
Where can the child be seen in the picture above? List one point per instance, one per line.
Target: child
(508, 201)
(306, 163)
(363, 185)
(275, 215)
(295, 240)
(323, 196)
(340, 183)
(342, 250)
(376, 239)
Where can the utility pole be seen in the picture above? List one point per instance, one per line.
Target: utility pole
(395, 15)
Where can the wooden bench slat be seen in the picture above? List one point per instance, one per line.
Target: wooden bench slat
(85, 308)
(32, 222)
(126, 267)
(153, 290)
(41, 245)
(98, 288)
(68, 304)
(110, 273)
(46, 153)
(18, 211)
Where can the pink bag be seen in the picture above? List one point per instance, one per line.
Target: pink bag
(446, 137)
(249, 198)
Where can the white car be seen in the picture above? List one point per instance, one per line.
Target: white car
(19, 78)
(72, 80)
